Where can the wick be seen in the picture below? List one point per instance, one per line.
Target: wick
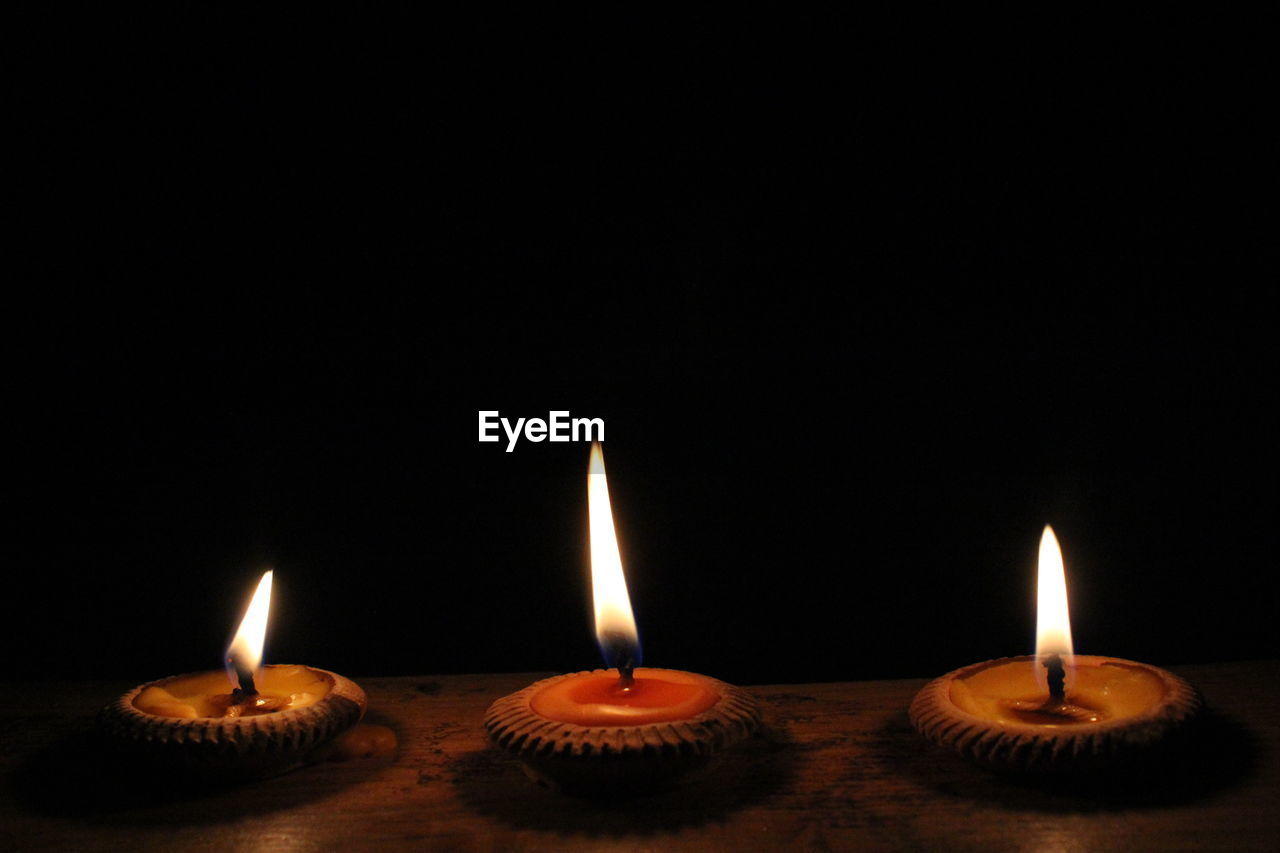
(620, 652)
(1057, 678)
(626, 663)
(247, 687)
(1055, 706)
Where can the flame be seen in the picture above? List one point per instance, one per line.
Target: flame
(615, 625)
(245, 652)
(1053, 622)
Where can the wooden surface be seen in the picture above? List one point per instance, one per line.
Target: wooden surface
(838, 768)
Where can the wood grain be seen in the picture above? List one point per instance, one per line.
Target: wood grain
(836, 768)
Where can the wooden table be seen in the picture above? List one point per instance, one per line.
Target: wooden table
(838, 767)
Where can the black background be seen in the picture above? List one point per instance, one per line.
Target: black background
(863, 307)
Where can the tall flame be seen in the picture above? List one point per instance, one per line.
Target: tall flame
(1053, 622)
(615, 625)
(245, 652)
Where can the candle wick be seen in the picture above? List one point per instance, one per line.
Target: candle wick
(1057, 678)
(245, 676)
(621, 652)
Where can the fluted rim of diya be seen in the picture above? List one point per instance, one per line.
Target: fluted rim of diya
(233, 747)
(1029, 748)
(607, 759)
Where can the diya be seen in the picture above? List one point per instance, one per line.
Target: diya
(1055, 711)
(626, 728)
(250, 721)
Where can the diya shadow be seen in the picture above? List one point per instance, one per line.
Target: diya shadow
(80, 776)
(1211, 754)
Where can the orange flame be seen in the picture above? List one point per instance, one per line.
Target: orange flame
(615, 624)
(1053, 622)
(245, 651)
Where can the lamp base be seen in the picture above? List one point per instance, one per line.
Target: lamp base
(618, 760)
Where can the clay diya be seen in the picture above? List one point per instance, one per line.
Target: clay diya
(259, 722)
(1055, 711)
(624, 729)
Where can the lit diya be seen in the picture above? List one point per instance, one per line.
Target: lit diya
(626, 728)
(1054, 711)
(264, 720)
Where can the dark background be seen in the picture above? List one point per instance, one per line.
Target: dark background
(863, 306)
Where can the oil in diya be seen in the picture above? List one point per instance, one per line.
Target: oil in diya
(1055, 712)
(249, 721)
(626, 728)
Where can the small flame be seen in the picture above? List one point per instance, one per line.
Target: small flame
(615, 625)
(245, 652)
(1053, 622)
